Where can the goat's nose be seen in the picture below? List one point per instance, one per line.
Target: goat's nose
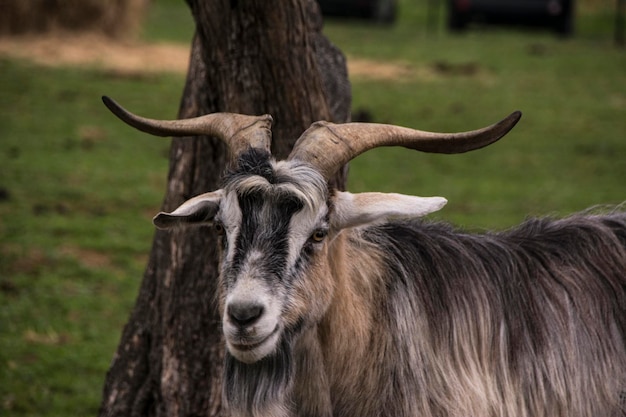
(244, 313)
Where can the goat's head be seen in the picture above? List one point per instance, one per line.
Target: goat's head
(276, 219)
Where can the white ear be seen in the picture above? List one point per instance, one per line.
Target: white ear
(198, 210)
(358, 209)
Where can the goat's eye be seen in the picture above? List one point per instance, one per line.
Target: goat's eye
(219, 228)
(319, 235)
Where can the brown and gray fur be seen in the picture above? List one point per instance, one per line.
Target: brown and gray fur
(411, 318)
(349, 305)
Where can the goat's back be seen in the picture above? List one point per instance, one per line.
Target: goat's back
(527, 322)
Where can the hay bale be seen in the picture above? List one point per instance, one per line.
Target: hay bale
(114, 18)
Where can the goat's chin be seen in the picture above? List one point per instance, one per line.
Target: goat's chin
(253, 352)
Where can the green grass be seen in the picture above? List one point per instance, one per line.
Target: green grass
(565, 154)
(78, 188)
(78, 192)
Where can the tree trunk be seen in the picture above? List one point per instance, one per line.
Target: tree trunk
(247, 57)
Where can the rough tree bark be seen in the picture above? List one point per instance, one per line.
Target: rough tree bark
(248, 57)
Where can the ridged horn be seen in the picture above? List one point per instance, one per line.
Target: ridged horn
(329, 146)
(238, 131)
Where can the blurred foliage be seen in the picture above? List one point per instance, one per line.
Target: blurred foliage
(116, 18)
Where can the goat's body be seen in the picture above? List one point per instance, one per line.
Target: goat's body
(529, 322)
(330, 310)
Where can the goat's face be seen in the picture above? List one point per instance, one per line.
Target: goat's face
(273, 219)
(277, 220)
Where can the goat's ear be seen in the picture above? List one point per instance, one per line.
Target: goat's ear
(358, 209)
(198, 210)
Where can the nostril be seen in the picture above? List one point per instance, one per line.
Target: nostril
(244, 314)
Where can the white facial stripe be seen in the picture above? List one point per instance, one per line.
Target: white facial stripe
(230, 216)
(250, 265)
(302, 224)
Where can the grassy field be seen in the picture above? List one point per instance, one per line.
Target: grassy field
(566, 153)
(78, 188)
(78, 191)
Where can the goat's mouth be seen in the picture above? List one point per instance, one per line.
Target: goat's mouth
(250, 350)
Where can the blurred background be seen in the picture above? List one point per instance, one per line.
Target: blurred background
(78, 188)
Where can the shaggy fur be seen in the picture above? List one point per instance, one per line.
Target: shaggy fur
(410, 318)
(530, 322)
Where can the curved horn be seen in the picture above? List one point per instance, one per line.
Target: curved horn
(329, 146)
(238, 131)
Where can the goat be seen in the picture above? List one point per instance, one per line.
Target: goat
(340, 304)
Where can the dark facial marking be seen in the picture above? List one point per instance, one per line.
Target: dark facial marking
(265, 227)
(265, 215)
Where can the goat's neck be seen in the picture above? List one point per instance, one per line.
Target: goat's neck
(311, 393)
(346, 331)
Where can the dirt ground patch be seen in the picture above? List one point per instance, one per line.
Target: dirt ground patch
(97, 51)
(136, 57)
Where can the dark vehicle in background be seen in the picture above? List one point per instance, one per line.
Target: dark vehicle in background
(556, 14)
(380, 11)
